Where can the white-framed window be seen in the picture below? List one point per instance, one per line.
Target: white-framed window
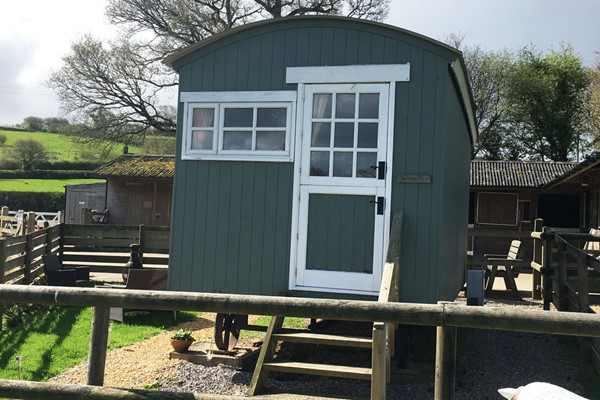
(245, 126)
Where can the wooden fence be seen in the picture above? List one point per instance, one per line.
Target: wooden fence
(447, 317)
(104, 248)
(565, 274)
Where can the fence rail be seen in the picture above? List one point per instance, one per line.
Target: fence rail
(445, 316)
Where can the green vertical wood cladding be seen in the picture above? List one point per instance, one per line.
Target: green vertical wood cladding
(232, 220)
(340, 233)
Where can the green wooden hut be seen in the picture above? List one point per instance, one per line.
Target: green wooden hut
(297, 141)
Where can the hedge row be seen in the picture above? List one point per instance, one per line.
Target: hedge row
(11, 165)
(27, 201)
(43, 174)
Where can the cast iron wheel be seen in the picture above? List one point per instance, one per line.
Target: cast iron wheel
(227, 330)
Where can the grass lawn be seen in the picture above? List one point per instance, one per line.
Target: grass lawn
(54, 339)
(60, 147)
(41, 185)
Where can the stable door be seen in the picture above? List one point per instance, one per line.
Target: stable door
(343, 179)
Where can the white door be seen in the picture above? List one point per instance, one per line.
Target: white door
(343, 175)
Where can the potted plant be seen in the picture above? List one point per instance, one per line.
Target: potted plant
(182, 340)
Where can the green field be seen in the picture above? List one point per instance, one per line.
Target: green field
(41, 185)
(61, 147)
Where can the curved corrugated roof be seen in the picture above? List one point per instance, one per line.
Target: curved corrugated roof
(517, 174)
(138, 166)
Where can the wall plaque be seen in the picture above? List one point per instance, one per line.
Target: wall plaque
(413, 179)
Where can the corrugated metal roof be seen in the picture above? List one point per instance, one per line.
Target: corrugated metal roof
(516, 174)
(138, 166)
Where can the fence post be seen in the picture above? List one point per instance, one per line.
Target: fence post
(563, 288)
(98, 344)
(2, 272)
(48, 244)
(28, 258)
(142, 241)
(582, 283)
(547, 269)
(31, 222)
(536, 292)
(445, 361)
(378, 362)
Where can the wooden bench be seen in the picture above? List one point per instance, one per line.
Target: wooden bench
(499, 266)
(139, 279)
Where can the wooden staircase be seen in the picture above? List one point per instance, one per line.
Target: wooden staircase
(267, 362)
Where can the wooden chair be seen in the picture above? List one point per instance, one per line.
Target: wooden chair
(139, 279)
(58, 275)
(504, 270)
(593, 248)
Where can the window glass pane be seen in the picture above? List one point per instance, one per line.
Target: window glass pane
(342, 164)
(344, 134)
(202, 140)
(364, 162)
(271, 117)
(367, 135)
(237, 140)
(238, 117)
(368, 105)
(322, 105)
(319, 163)
(203, 118)
(344, 105)
(321, 133)
(270, 140)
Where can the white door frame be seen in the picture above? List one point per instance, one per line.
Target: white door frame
(311, 284)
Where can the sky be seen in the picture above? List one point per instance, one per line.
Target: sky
(36, 34)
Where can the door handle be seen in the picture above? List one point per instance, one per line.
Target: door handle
(380, 167)
(380, 204)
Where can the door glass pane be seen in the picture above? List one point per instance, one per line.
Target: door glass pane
(203, 118)
(237, 140)
(321, 133)
(271, 117)
(270, 140)
(342, 164)
(344, 105)
(319, 163)
(322, 105)
(238, 117)
(368, 105)
(367, 135)
(340, 233)
(364, 162)
(202, 140)
(344, 134)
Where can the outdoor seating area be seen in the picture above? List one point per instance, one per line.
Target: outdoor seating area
(506, 269)
(58, 275)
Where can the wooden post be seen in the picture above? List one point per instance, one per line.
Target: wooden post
(98, 344)
(142, 241)
(378, 362)
(582, 284)
(31, 222)
(445, 361)
(563, 288)
(48, 244)
(2, 272)
(536, 289)
(547, 269)
(28, 258)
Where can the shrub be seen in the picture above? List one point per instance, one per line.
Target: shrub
(44, 174)
(47, 202)
(2, 139)
(29, 153)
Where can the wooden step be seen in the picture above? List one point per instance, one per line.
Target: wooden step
(319, 338)
(338, 371)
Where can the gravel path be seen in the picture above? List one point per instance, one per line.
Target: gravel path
(491, 360)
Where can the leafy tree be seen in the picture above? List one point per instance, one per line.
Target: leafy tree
(2, 139)
(29, 153)
(594, 103)
(54, 124)
(548, 97)
(126, 79)
(34, 124)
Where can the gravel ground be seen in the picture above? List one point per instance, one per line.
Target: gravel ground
(491, 360)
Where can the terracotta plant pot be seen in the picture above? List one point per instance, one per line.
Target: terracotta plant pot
(181, 346)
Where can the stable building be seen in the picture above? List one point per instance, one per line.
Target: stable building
(298, 139)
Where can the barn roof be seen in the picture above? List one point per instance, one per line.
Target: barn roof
(517, 174)
(138, 166)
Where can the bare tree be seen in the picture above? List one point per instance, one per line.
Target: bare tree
(29, 153)
(125, 82)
